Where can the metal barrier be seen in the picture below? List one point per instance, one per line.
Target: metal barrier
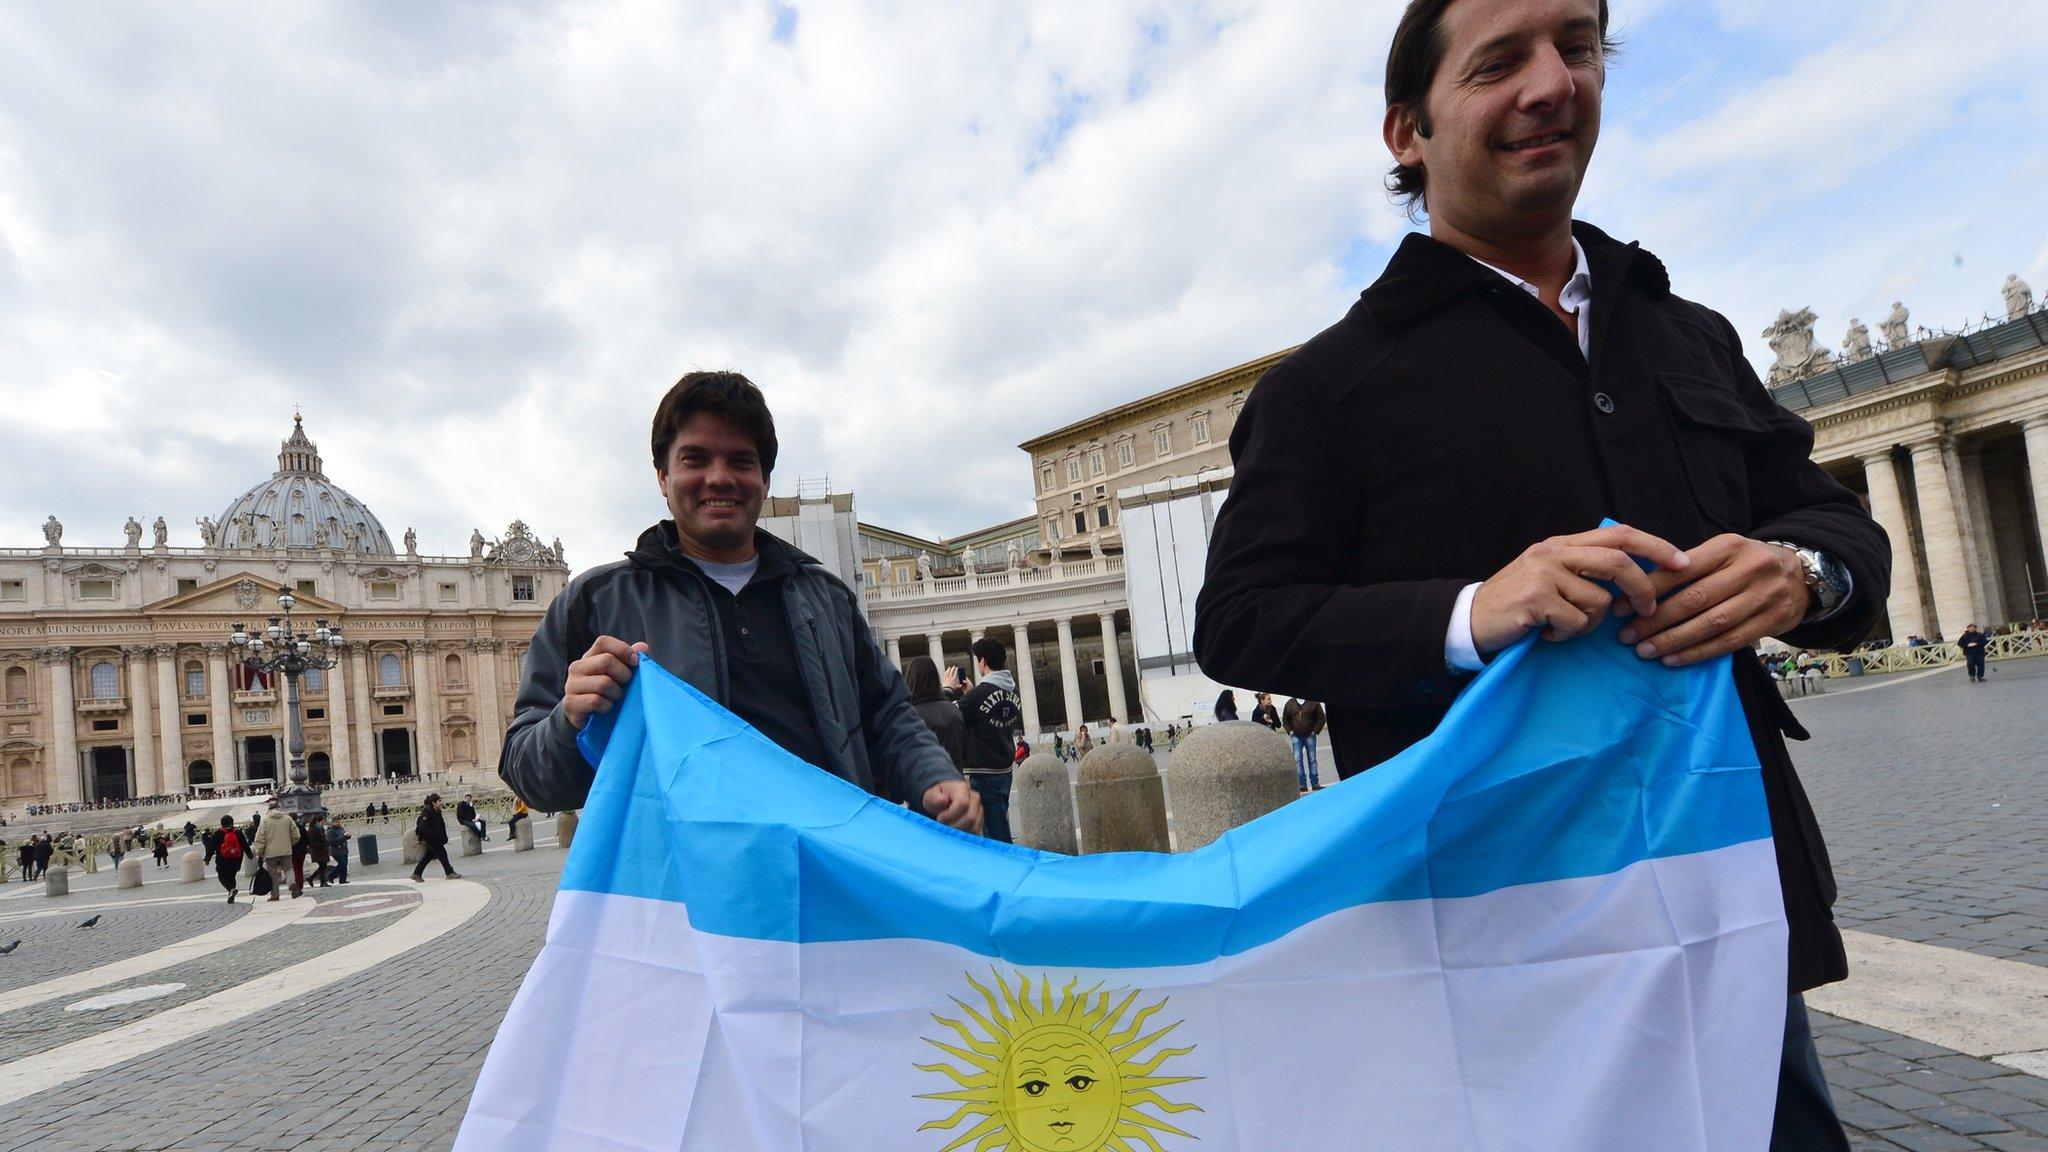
(1899, 658)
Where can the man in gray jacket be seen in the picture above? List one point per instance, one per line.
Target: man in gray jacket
(747, 619)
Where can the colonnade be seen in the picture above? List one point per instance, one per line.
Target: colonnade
(1015, 637)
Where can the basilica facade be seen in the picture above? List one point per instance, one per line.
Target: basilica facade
(117, 679)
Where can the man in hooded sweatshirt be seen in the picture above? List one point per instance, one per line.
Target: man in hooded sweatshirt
(994, 715)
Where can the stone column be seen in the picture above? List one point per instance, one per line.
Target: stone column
(1948, 565)
(895, 645)
(2036, 431)
(1973, 523)
(1113, 668)
(425, 716)
(340, 764)
(490, 711)
(147, 782)
(222, 712)
(1888, 508)
(974, 634)
(1070, 677)
(938, 651)
(170, 719)
(1027, 683)
(61, 773)
(365, 734)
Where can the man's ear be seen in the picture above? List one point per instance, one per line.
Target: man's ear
(1403, 134)
(661, 482)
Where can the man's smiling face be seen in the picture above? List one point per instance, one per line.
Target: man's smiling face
(1513, 113)
(714, 487)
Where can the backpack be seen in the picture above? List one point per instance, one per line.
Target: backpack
(230, 845)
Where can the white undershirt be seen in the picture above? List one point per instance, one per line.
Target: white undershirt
(1577, 297)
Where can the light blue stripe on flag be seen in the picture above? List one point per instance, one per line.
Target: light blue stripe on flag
(1562, 761)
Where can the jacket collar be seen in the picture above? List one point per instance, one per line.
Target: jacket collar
(1426, 274)
(656, 551)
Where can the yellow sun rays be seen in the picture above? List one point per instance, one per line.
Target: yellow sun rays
(1065, 1071)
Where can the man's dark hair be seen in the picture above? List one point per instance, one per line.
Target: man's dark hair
(728, 395)
(1412, 61)
(990, 651)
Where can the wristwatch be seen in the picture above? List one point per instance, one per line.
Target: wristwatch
(1826, 578)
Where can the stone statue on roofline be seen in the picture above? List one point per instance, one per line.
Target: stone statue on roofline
(1896, 335)
(1791, 337)
(476, 543)
(160, 533)
(1856, 342)
(412, 543)
(53, 532)
(133, 531)
(209, 533)
(2019, 297)
(924, 565)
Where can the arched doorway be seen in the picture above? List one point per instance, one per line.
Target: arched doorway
(317, 769)
(199, 772)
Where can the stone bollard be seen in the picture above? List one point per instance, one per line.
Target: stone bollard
(191, 866)
(1121, 801)
(522, 837)
(128, 873)
(1229, 774)
(409, 847)
(1042, 805)
(57, 881)
(565, 828)
(472, 844)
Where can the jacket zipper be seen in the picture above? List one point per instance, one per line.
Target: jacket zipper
(831, 702)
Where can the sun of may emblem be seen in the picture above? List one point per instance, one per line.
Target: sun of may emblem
(1065, 1071)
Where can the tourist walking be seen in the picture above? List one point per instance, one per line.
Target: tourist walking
(994, 716)
(337, 848)
(275, 836)
(44, 848)
(927, 699)
(228, 851)
(1974, 644)
(1304, 721)
(317, 850)
(27, 856)
(432, 831)
(163, 850)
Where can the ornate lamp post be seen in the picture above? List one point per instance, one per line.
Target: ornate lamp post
(281, 647)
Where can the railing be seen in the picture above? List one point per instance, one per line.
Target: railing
(1009, 578)
(1899, 658)
(97, 704)
(256, 696)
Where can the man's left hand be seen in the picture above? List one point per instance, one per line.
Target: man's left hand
(1736, 591)
(953, 803)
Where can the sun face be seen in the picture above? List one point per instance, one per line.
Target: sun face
(1063, 1071)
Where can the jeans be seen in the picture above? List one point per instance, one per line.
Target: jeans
(341, 867)
(1806, 1120)
(994, 790)
(1305, 773)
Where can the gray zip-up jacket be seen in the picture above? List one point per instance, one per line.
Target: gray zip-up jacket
(858, 699)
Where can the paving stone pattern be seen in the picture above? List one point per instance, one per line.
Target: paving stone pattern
(52, 943)
(1933, 796)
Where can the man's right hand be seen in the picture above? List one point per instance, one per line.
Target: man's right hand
(1553, 586)
(599, 678)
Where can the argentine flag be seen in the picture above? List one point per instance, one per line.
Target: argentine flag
(1554, 926)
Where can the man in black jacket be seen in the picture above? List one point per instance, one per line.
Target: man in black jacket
(1416, 487)
(747, 619)
(432, 830)
(994, 715)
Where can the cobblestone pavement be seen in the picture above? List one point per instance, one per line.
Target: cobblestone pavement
(1927, 789)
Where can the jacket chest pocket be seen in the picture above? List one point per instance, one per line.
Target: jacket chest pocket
(1714, 432)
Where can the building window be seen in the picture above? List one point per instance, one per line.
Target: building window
(195, 678)
(1102, 515)
(1124, 456)
(17, 685)
(195, 719)
(448, 593)
(1044, 483)
(451, 671)
(522, 589)
(394, 709)
(187, 584)
(305, 587)
(1101, 490)
(1081, 522)
(1162, 441)
(1199, 425)
(106, 681)
(388, 675)
(1095, 462)
(96, 589)
(903, 575)
(383, 590)
(316, 713)
(106, 725)
(1073, 470)
(316, 679)
(13, 591)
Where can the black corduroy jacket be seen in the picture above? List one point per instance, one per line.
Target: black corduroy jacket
(1448, 422)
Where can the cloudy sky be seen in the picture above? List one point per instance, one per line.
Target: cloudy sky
(476, 241)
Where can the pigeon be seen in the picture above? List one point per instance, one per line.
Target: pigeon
(90, 923)
(6, 948)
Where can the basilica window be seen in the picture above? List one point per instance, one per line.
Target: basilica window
(522, 589)
(1073, 469)
(1125, 456)
(21, 777)
(96, 589)
(1162, 441)
(1044, 485)
(450, 593)
(17, 685)
(106, 681)
(1081, 522)
(316, 679)
(187, 584)
(1095, 462)
(195, 679)
(305, 587)
(388, 674)
(13, 591)
(1199, 426)
(451, 670)
(383, 590)
(1102, 515)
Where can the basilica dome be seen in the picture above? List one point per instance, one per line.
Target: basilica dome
(299, 508)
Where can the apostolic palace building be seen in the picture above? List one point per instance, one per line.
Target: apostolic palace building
(117, 680)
